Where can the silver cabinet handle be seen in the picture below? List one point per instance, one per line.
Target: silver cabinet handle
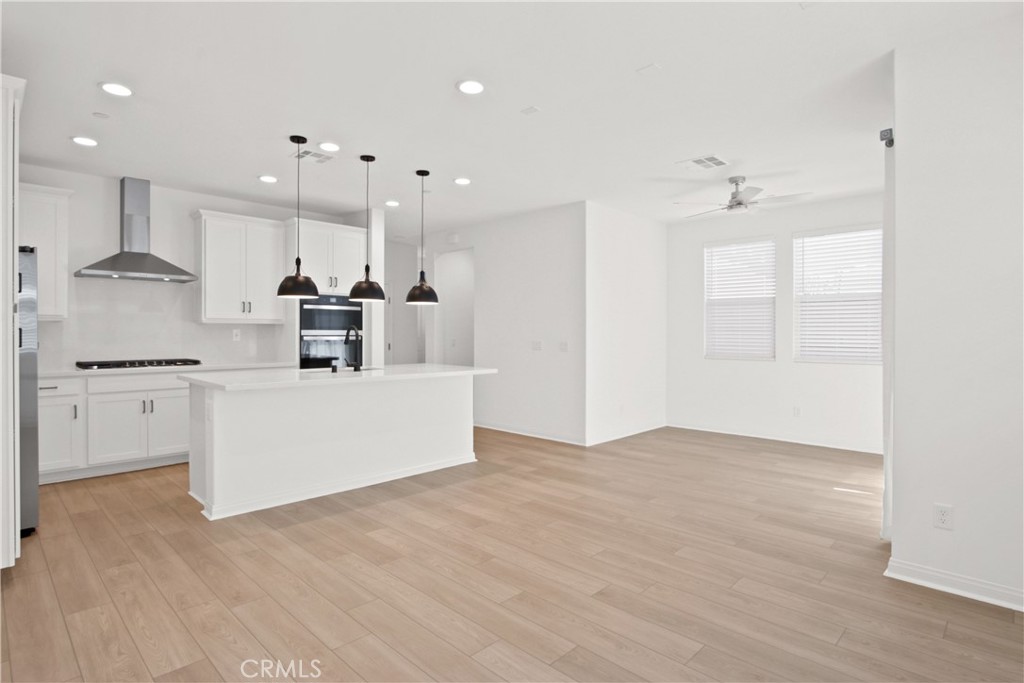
(75, 416)
(46, 388)
(151, 405)
(143, 406)
(243, 307)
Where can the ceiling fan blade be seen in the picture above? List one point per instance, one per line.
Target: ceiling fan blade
(721, 208)
(749, 192)
(783, 197)
(702, 203)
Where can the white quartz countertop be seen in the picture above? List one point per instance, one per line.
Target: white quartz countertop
(219, 367)
(279, 378)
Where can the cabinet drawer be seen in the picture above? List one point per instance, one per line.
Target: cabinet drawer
(155, 382)
(60, 387)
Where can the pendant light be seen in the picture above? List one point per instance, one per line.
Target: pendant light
(421, 293)
(298, 286)
(366, 289)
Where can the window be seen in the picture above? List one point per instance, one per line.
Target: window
(837, 285)
(739, 300)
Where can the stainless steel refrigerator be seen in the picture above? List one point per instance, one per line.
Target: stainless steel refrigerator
(28, 387)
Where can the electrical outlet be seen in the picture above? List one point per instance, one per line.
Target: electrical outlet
(563, 346)
(236, 335)
(942, 516)
(537, 346)
(796, 411)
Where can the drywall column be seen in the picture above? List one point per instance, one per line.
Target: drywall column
(958, 299)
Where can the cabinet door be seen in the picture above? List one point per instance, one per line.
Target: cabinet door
(168, 422)
(349, 257)
(264, 268)
(43, 215)
(316, 257)
(117, 426)
(223, 269)
(61, 433)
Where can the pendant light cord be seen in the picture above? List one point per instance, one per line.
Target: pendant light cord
(367, 213)
(298, 197)
(423, 195)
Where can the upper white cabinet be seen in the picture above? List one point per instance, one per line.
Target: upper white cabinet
(242, 262)
(333, 255)
(43, 216)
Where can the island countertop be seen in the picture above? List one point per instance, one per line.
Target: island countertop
(279, 378)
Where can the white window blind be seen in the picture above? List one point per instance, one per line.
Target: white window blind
(837, 284)
(739, 300)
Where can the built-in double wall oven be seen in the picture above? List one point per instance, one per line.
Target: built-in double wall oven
(324, 324)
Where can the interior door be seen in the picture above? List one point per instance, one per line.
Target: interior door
(61, 424)
(224, 269)
(117, 426)
(168, 422)
(264, 268)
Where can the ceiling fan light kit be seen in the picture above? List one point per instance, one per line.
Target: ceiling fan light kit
(743, 200)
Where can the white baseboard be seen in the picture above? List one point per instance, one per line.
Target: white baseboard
(774, 437)
(339, 485)
(112, 468)
(534, 435)
(948, 582)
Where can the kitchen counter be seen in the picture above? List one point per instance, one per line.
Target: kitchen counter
(268, 437)
(283, 378)
(78, 372)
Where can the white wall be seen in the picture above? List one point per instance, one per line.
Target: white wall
(626, 324)
(133, 319)
(402, 267)
(453, 322)
(840, 405)
(530, 289)
(958, 302)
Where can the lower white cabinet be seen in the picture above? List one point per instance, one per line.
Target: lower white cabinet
(132, 425)
(61, 432)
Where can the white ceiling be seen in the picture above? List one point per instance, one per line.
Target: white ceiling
(791, 94)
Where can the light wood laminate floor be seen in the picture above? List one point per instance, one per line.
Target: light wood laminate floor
(669, 556)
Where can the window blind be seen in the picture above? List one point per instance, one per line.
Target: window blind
(837, 287)
(739, 300)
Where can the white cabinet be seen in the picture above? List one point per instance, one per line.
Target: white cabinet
(242, 262)
(62, 417)
(131, 425)
(43, 215)
(333, 255)
(117, 427)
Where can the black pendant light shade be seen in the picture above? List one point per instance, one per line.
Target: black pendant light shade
(421, 293)
(298, 286)
(366, 289)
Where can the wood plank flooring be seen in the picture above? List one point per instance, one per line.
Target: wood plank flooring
(668, 556)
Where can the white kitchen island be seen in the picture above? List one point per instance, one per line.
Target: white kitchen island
(262, 438)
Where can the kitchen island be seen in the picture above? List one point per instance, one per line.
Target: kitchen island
(263, 438)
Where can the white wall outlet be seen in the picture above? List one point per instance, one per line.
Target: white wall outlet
(796, 411)
(942, 516)
(537, 346)
(563, 346)
(236, 335)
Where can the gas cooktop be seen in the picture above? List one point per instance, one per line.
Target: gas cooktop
(151, 363)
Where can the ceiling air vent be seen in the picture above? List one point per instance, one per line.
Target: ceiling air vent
(318, 157)
(707, 163)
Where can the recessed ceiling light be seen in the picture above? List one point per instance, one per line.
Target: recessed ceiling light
(329, 147)
(391, 202)
(84, 142)
(471, 87)
(116, 89)
(268, 179)
(462, 181)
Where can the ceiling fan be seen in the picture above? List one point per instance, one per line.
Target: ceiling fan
(741, 200)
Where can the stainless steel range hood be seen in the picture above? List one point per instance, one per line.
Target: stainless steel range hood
(134, 262)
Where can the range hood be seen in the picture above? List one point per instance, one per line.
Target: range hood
(134, 262)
